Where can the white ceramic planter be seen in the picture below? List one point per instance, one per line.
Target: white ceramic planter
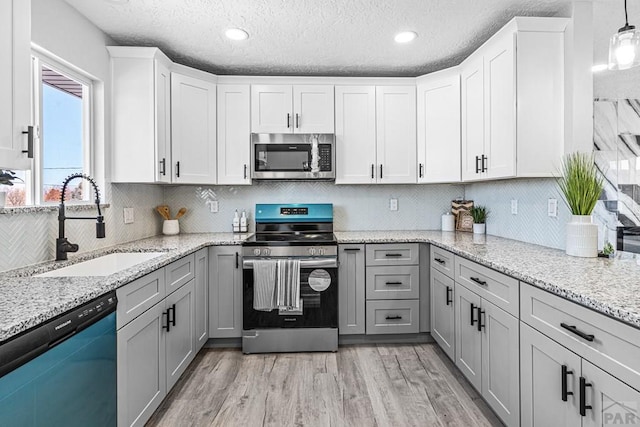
(479, 228)
(582, 237)
(170, 227)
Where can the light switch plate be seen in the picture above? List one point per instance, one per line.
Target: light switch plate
(393, 204)
(128, 216)
(552, 207)
(514, 206)
(213, 206)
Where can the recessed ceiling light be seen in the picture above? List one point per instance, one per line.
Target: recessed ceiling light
(599, 67)
(405, 36)
(236, 34)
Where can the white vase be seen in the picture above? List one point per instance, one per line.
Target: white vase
(3, 198)
(170, 227)
(582, 237)
(479, 228)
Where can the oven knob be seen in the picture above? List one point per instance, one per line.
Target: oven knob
(266, 251)
(256, 251)
(312, 251)
(320, 251)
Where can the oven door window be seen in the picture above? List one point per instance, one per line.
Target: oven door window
(283, 157)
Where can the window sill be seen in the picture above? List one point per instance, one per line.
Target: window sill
(19, 210)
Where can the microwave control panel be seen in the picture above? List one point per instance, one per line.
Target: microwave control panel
(324, 152)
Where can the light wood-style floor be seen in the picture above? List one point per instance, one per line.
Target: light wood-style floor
(366, 385)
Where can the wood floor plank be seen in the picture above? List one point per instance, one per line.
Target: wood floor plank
(363, 385)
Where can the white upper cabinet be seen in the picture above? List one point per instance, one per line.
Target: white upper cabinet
(292, 109)
(513, 102)
(141, 84)
(193, 127)
(15, 101)
(439, 127)
(234, 133)
(355, 134)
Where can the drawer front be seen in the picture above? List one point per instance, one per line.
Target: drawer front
(138, 296)
(443, 261)
(615, 347)
(402, 282)
(495, 287)
(392, 254)
(392, 317)
(180, 272)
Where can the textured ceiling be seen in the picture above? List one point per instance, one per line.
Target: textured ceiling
(312, 37)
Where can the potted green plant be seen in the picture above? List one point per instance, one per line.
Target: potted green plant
(581, 185)
(7, 178)
(479, 214)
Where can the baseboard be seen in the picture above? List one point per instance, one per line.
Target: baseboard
(224, 343)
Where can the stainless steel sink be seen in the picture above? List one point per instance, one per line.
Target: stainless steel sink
(104, 265)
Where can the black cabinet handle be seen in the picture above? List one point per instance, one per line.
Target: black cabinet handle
(393, 283)
(29, 133)
(177, 169)
(583, 396)
(245, 171)
(163, 163)
(288, 120)
(438, 260)
(173, 317)
(484, 168)
(565, 393)
(480, 314)
(380, 171)
(394, 317)
(351, 249)
(297, 120)
(477, 167)
(168, 325)
(420, 170)
(478, 281)
(473, 310)
(373, 169)
(449, 298)
(392, 255)
(574, 330)
(237, 260)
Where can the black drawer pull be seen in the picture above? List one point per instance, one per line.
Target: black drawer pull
(478, 281)
(583, 397)
(574, 330)
(237, 260)
(473, 310)
(394, 317)
(449, 298)
(168, 314)
(393, 255)
(480, 314)
(565, 393)
(351, 249)
(438, 260)
(393, 283)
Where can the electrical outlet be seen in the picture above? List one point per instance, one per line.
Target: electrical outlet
(213, 206)
(514, 206)
(552, 207)
(128, 216)
(393, 204)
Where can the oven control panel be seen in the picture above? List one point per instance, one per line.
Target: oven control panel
(290, 251)
(294, 211)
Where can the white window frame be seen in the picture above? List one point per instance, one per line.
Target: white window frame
(34, 191)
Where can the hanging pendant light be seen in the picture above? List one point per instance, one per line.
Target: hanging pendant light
(624, 46)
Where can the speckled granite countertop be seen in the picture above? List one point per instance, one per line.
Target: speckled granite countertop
(26, 301)
(610, 286)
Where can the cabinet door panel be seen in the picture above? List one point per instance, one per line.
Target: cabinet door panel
(351, 298)
(541, 361)
(225, 292)
(501, 363)
(442, 312)
(201, 297)
(500, 108)
(439, 129)
(313, 109)
(468, 338)
(234, 133)
(193, 130)
(270, 105)
(472, 118)
(180, 341)
(163, 163)
(396, 134)
(355, 134)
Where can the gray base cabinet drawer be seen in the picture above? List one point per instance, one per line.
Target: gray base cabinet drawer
(495, 287)
(401, 282)
(607, 343)
(443, 261)
(392, 317)
(180, 272)
(138, 296)
(392, 254)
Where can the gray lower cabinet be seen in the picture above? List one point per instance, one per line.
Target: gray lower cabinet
(180, 341)
(442, 312)
(351, 292)
(201, 297)
(225, 292)
(468, 338)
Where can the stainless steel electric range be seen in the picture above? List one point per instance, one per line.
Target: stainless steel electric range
(303, 232)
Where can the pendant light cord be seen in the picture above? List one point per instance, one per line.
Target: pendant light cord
(626, 17)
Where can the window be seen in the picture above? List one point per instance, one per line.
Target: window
(62, 113)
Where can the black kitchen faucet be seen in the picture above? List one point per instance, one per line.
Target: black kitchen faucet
(62, 244)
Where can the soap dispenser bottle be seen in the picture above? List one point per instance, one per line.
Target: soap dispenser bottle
(243, 222)
(236, 222)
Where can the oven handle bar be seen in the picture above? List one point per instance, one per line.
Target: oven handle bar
(247, 264)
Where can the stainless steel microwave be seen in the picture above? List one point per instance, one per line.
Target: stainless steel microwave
(293, 156)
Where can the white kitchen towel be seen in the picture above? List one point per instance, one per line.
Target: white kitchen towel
(288, 284)
(264, 285)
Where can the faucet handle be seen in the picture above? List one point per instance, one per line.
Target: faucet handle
(100, 228)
